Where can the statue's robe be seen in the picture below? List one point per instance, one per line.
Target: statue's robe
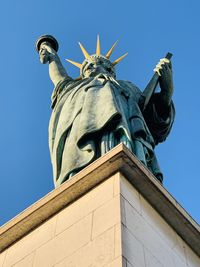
(93, 115)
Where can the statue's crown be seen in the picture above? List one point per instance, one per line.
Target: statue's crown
(90, 58)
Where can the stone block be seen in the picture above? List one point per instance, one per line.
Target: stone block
(30, 242)
(106, 216)
(145, 234)
(119, 262)
(2, 257)
(159, 225)
(65, 243)
(192, 259)
(179, 248)
(117, 182)
(99, 252)
(118, 240)
(130, 193)
(26, 262)
(129, 265)
(150, 260)
(45, 255)
(132, 249)
(85, 205)
(178, 261)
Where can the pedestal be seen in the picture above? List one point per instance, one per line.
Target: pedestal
(114, 213)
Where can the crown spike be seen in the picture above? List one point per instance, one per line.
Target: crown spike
(119, 59)
(98, 49)
(85, 53)
(111, 50)
(78, 65)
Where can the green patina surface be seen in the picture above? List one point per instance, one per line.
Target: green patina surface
(92, 115)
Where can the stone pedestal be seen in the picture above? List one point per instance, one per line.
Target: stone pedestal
(114, 213)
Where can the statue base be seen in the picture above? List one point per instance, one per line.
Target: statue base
(113, 213)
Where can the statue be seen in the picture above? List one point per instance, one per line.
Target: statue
(95, 112)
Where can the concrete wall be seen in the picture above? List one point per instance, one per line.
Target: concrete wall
(110, 226)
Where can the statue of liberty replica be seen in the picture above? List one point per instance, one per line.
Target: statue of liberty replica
(95, 112)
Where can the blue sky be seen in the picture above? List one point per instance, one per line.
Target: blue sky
(147, 30)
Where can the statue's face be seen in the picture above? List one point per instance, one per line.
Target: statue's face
(97, 65)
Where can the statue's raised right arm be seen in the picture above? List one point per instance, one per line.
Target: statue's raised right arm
(48, 55)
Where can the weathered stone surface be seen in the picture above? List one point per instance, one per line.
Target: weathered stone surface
(65, 243)
(99, 252)
(85, 205)
(26, 262)
(106, 216)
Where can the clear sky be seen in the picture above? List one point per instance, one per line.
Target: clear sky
(147, 30)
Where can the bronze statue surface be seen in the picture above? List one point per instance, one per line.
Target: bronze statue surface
(96, 112)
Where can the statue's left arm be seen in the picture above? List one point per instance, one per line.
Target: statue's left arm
(160, 112)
